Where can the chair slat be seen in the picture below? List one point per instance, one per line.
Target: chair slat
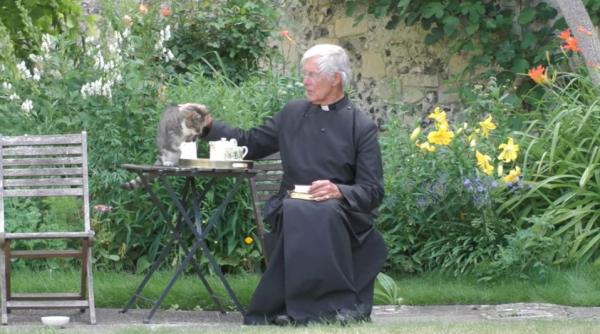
(43, 192)
(262, 197)
(43, 161)
(41, 150)
(70, 181)
(45, 253)
(41, 140)
(268, 167)
(46, 296)
(43, 171)
(268, 177)
(48, 235)
(273, 187)
(47, 303)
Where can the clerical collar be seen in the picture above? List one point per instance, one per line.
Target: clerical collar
(335, 106)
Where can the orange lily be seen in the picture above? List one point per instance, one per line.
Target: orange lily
(539, 74)
(570, 41)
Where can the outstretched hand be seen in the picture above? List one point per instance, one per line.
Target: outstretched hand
(207, 125)
(322, 190)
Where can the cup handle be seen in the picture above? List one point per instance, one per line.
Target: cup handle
(245, 149)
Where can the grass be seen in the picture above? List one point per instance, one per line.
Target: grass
(575, 287)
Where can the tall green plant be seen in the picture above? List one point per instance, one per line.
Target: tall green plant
(27, 20)
(563, 161)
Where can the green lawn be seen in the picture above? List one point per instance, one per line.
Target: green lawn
(575, 287)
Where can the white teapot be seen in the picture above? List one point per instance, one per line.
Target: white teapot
(219, 148)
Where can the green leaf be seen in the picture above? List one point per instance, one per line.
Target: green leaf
(520, 65)
(435, 35)
(528, 40)
(472, 28)
(450, 23)
(527, 15)
(433, 9)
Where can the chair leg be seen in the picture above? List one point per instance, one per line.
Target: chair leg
(3, 295)
(87, 266)
(258, 219)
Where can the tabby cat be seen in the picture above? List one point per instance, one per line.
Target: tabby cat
(178, 124)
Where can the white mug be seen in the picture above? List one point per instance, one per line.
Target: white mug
(189, 150)
(236, 153)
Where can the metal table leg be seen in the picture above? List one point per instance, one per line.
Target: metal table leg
(199, 235)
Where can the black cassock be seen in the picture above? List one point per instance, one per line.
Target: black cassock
(324, 256)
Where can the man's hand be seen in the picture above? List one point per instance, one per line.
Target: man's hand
(207, 125)
(322, 190)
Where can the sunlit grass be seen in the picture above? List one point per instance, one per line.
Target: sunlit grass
(575, 287)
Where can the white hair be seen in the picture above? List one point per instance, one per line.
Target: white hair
(332, 59)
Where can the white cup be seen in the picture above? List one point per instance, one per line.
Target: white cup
(189, 150)
(236, 153)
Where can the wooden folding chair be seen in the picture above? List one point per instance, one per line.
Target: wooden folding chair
(265, 184)
(45, 166)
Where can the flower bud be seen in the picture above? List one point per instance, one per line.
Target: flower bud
(127, 21)
(416, 132)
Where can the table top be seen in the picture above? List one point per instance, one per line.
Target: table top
(188, 171)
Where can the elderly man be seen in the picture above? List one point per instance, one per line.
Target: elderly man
(324, 254)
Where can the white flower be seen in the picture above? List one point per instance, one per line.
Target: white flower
(37, 74)
(13, 97)
(106, 90)
(27, 106)
(170, 55)
(23, 70)
(2, 68)
(7, 86)
(48, 43)
(35, 58)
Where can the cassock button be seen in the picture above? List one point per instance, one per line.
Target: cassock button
(322, 129)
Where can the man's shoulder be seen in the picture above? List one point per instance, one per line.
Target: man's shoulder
(295, 105)
(363, 120)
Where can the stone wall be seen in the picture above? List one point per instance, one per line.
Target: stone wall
(395, 73)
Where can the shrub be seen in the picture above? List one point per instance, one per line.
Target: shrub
(444, 189)
(229, 36)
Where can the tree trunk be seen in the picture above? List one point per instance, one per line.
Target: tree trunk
(584, 31)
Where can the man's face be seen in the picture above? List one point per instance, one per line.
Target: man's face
(320, 88)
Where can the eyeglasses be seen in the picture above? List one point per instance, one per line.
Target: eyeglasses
(311, 75)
